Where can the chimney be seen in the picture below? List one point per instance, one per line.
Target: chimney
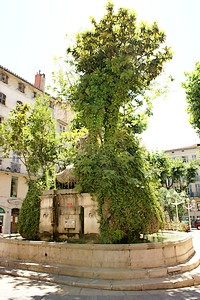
(40, 81)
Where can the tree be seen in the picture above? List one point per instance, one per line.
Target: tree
(160, 169)
(192, 89)
(169, 174)
(30, 132)
(115, 63)
(29, 217)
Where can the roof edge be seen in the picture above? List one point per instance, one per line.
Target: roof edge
(184, 148)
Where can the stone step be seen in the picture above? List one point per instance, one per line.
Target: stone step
(169, 282)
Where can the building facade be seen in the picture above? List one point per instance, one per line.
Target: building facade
(187, 154)
(13, 176)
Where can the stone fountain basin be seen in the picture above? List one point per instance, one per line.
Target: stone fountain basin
(172, 252)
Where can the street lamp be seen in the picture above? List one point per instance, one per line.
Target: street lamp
(175, 196)
(189, 205)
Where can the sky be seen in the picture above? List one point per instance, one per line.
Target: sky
(33, 33)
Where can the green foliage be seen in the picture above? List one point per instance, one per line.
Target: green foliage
(116, 63)
(127, 203)
(31, 133)
(191, 171)
(160, 167)
(69, 143)
(192, 89)
(29, 217)
(167, 172)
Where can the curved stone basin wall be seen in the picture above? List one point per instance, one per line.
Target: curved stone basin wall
(131, 256)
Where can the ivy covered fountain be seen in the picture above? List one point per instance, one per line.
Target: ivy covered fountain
(116, 64)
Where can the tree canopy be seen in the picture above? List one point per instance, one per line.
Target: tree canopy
(116, 60)
(30, 132)
(169, 175)
(192, 89)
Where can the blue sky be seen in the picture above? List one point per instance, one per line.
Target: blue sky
(33, 32)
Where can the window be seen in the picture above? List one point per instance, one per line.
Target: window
(34, 94)
(15, 166)
(2, 211)
(21, 87)
(15, 157)
(51, 104)
(18, 103)
(185, 159)
(2, 98)
(3, 78)
(189, 190)
(14, 185)
(194, 156)
(197, 187)
(62, 128)
(14, 219)
(1, 120)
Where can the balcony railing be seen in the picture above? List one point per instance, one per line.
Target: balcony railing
(194, 194)
(15, 167)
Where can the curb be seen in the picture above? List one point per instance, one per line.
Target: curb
(171, 282)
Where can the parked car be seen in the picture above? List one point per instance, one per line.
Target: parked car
(197, 224)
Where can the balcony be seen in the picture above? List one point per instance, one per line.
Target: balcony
(197, 178)
(15, 167)
(194, 194)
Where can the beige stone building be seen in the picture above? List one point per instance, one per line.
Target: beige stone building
(13, 187)
(187, 154)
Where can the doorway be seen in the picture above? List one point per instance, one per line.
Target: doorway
(14, 219)
(1, 224)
